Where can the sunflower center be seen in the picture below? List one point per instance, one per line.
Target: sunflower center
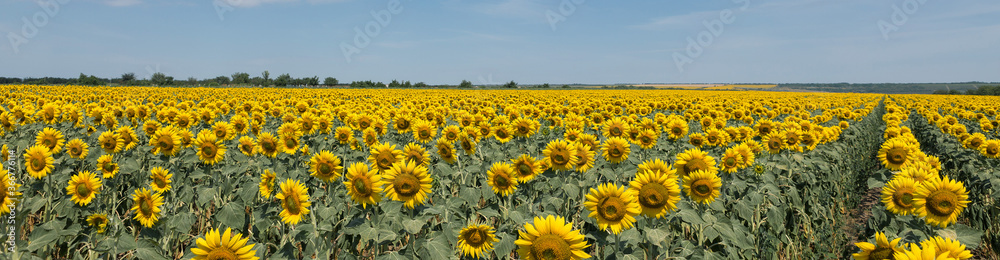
(702, 188)
(774, 144)
(165, 143)
(615, 131)
(897, 155)
(942, 203)
(882, 253)
(475, 237)
(502, 134)
(992, 150)
(559, 159)
(501, 180)
(268, 145)
(551, 247)
(676, 130)
(523, 169)
(730, 162)
(451, 135)
(904, 197)
(37, 164)
(220, 133)
(75, 151)
(361, 186)
(402, 124)
(160, 182)
(292, 204)
(406, 185)
(467, 145)
(713, 139)
(146, 207)
(653, 195)
(694, 165)
(109, 167)
(208, 150)
(48, 142)
(83, 190)
(221, 253)
(645, 139)
(290, 142)
(615, 152)
(424, 134)
(612, 208)
(110, 144)
(324, 168)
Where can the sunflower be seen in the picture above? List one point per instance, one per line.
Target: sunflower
(10, 196)
(165, 141)
(5, 153)
(468, 144)
(146, 205)
(616, 127)
(940, 201)
(402, 124)
(809, 139)
(295, 203)
(186, 137)
(616, 149)
(423, 131)
(39, 161)
(370, 136)
(793, 139)
(160, 179)
(702, 186)
(51, 139)
(894, 153)
(267, 181)
(99, 221)
(76, 148)
(223, 130)
(697, 140)
(589, 140)
(746, 154)
(363, 185)
(716, 137)
(451, 132)
(731, 161)
(524, 127)
(898, 195)
(475, 240)
(343, 134)
(657, 191)
(526, 168)
(111, 142)
(416, 153)
(502, 133)
(572, 134)
(129, 139)
(882, 249)
(584, 158)
(247, 145)
(647, 138)
(613, 207)
(326, 166)
(502, 178)
(227, 245)
(407, 182)
(991, 148)
(953, 248)
(559, 154)
(108, 168)
(764, 127)
(268, 145)
(446, 150)
(210, 149)
(288, 143)
(774, 142)
(919, 172)
(550, 237)
(694, 160)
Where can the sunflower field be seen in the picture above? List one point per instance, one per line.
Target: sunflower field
(282, 173)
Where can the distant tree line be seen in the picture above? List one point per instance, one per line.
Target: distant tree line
(981, 90)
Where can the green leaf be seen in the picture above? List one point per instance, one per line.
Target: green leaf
(438, 250)
(505, 246)
(392, 256)
(969, 237)
(205, 195)
(232, 215)
(489, 213)
(656, 236)
(631, 236)
(368, 233)
(691, 217)
(413, 226)
(385, 235)
(149, 253)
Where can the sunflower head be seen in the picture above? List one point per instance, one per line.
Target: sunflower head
(407, 182)
(475, 240)
(882, 249)
(210, 149)
(111, 142)
(526, 168)
(898, 195)
(225, 245)
(702, 186)
(325, 166)
(446, 150)
(146, 205)
(560, 155)
(894, 153)
(502, 178)
(38, 160)
(363, 185)
(940, 201)
(616, 149)
(248, 146)
(416, 153)
(160, 179)
(267, 182)
(98, 221)
(656, 191)
(295, 203)
(76, 148)
(51, 139)
(550, 237)
(694, 160)
(268, 144)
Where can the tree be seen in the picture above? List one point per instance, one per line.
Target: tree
(420, 85)
(222, 80)
(407, 84)
(257, 81)
(266, 75)
(510, 84)
(565, 86)
(127, 78)
(546, 85)
(330, 81)
(282, 80)
(241, 78)
(192, 81)
(158, 79)
(89, 80)
(465, 84)
(314, 81)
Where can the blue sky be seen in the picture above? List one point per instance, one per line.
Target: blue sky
(496, 41)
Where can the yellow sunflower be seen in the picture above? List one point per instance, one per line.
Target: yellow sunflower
(990, 149)
(129, 139)
(288, 143)
(146, 205)
(616, 127)
(697, 140)
(370, 136)
(76, 148)
(407, 182)
(227, 245)
(51, 139)
(716, 137)
(468, 144)
(882, 249)
(940, 200)
(268, 145)
(450, 133)
(413, 152)
(384, 155)
(502, 178)
(656, 191)
(774, 142)
(919, 172)
(526, 168)
(702, 186)
(446, 150)
(38, 160)
(502, 133)
(894, 153)
(423, 131)
(559, 154)
(325, 166)
(402, 124)
(343, 134)
(616, 149)
(10, 195)
(746, 154)
(731, 161)
(476, 240)
(223, 130)
(613, 207)
(165, 141)
(210, 149)
(295, 203)
(267, 182)
(99, 221)
(111, 142)
(677, 128)
(248, 146)
(524, 127)
(363, 185)
(647, 138)
(160, 179)
(694, 160)
(108, 168)
(550, 237)
(953, 248)
(898, 195)
(584, 158)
